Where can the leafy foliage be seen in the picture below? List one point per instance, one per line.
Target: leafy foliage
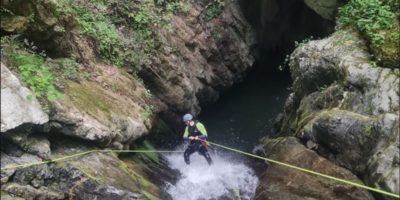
(213, 10)
(124, 30)
(103, 30)
(394, 5)
(36, 75)
(369, 17)
(66, 68)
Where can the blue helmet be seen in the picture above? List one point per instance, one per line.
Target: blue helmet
(187, 117)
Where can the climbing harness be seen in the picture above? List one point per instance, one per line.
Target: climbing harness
(218, 145)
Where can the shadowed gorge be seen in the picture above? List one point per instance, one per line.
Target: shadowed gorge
(93, 95)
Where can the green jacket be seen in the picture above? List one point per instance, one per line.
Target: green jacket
(202, 132)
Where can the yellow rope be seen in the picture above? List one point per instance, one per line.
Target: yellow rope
(310, 171)
(81, 154)
(8, 167)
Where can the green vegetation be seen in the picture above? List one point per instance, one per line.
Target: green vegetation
(36, 70)
(88, 97)
(369, 17)
(101, 28)
(66, 69)
(148, 111)
(322, 93)
(213, 10)
(378, 22)
(36, 75)
(125, 32)
(394, 5)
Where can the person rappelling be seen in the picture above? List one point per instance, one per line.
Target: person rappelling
(196, 134)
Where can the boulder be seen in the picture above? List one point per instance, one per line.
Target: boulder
(105, 111)
(281, 183)
(348, 136)
(346, 107)
(18, 104)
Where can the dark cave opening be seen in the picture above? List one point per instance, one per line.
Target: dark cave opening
(253, 104)
(248, 110)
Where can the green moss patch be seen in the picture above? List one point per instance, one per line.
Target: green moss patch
(90, 98)
(379, 25)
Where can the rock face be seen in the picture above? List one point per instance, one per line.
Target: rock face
(101, 176)
(327, 9)
(18, 104)
(96, 175)
(352, 114)
(210, 57)
(206, 51)
(279, 182)
(103, 110)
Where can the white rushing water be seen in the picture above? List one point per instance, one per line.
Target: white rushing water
(225, 179)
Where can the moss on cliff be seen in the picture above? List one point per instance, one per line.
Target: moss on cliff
(378, 23)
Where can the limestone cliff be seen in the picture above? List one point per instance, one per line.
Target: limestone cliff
(346, 108)
(106, 72)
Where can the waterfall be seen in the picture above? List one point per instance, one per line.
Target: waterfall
(227, 178)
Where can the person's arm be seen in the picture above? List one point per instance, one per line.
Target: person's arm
(185, 134)
(202, 130)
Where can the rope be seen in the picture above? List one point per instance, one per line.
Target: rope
(310, 171)
(8, 167)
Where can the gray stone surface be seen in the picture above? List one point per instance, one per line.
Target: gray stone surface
(348, 106)
(18, 104)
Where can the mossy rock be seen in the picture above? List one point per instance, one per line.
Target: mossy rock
(388, 54)
(94, 101)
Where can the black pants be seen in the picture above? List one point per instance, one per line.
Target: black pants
(193, 147)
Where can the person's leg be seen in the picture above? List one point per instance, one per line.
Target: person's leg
(203, 151)
(189, 150)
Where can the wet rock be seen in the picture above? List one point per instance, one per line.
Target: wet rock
(18, 104)
(280, 182)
